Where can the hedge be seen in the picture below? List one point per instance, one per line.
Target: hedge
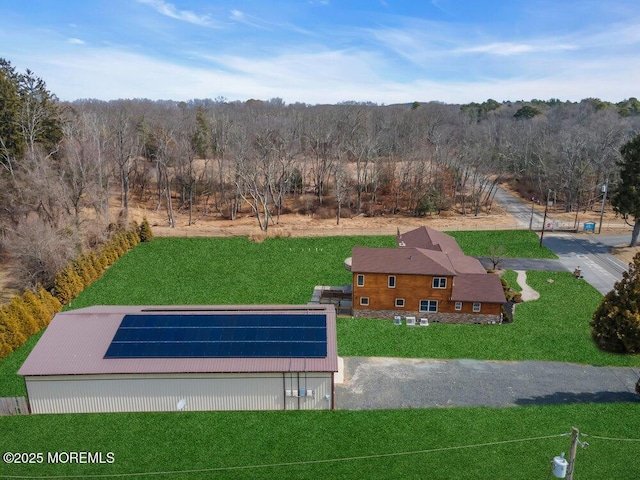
(28, 313)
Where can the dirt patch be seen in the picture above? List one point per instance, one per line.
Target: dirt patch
(625, 253)
(297, 225)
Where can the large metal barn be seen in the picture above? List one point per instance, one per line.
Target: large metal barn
(135, 359)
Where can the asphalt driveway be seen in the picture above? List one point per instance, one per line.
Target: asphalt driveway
(381, 383)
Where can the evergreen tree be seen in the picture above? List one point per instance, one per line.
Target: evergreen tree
(626, 199)
(29, 114)
(52, 304)
(145, 233)
(39, 311)
(616, 323)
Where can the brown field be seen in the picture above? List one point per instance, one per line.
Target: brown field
(298, 225)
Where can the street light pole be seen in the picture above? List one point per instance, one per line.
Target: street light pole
(604, 197)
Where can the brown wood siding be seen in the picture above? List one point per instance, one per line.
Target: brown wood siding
(412, 288)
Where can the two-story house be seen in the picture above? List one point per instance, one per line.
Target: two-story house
(427, 276)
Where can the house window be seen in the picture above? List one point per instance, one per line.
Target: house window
(476, 306)
(364, 301)
(391, 281)
(439, 282)
(428, 305)
(458, 306)
(399, 302)
(360, 280)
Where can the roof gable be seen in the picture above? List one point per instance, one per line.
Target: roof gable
(429, 239)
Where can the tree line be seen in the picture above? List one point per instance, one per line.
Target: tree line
(64, 162)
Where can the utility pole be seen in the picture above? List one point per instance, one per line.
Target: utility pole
(533, 201)
(604, 197)
(572, 452)
(544, 220)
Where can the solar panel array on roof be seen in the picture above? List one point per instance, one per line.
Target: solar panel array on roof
(208, 336)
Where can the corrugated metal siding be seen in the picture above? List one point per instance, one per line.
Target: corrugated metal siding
(145, 393)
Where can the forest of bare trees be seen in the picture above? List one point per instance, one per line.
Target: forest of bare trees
(71, 171)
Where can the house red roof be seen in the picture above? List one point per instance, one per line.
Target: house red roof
(425, 251)
(484, 287)
(429, 239)
(413, 261)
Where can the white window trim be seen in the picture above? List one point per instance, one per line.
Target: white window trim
(389, 281)
(428, 310)
(439, 278)
(477, 307)
(400, 300)
(365, 300)
(458, 306)
(358, 277)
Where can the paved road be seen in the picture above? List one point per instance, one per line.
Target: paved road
(518, 209)
(381, 383)
(589, 252)
(542, 264)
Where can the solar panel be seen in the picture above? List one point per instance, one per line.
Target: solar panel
(263, 335)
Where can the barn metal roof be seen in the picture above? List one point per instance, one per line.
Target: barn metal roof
(76, 341)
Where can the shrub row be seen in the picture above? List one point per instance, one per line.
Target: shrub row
(25, 315)
(29, 313)
(88, 267)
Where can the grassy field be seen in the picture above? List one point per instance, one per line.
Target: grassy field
(516, 243)
(235, 270)
(554, 328)
(281, 271)
(462, 443)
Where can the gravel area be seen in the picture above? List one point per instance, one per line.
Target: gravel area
(381, 383)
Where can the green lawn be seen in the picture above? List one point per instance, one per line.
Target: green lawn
(461, 443)
(237, 271)
(516, 243)
(225, 271)
(338, 444)
(553, 328)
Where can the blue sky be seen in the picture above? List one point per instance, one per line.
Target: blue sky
(327, 51)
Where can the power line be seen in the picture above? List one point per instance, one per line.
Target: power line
(612, 438)
(290, 464)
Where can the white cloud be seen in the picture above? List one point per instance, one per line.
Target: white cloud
(508, 48)
(320, 77)
(76, 41)
(237, 15)
(170, 10)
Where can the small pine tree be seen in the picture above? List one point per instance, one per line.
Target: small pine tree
(27, 323)
(67, 284)
(52, 304)
(116, 246)
(96, 265)
(146, 235)
(14, 334)
(82, 270)
(39, 311)
(616, 322)
(5, 342)
(133, 236)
